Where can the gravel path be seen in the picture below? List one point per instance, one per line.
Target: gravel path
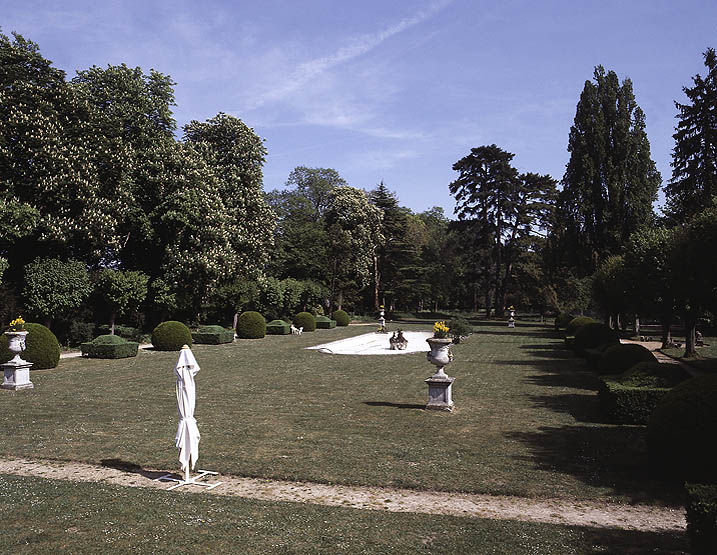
(552, 511)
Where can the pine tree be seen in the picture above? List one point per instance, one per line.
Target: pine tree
(610, 181)
(694, 158)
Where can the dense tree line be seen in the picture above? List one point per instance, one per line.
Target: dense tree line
(103, 206)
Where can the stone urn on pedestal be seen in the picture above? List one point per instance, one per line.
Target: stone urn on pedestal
(511, 320)
(16, 372)
(440, 385)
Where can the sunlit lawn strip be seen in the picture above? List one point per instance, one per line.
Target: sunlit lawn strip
(46, 516)
(526, 423)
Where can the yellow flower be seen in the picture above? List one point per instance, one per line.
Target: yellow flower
(18, 324)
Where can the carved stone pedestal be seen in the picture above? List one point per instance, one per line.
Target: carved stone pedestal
(17, 375)
(440, 393)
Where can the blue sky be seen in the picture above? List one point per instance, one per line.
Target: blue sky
(393, 91)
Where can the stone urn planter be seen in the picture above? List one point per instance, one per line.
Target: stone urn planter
(16, 344)
(16, 372)
(440, 385)
(439, 355)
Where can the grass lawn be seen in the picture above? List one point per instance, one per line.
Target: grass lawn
(527, 421)
(55, 516)
(706, 360)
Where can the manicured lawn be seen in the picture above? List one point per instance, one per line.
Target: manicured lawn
(53, 516)
(706, 360)
(527, 421)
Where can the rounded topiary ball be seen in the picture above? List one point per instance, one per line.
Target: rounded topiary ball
(251, 325)
(305, 320)
(41, 348)
(341, 317)
(621, 357)
(681, 431)
(593, 335)
(171, 336)
(562, 320)
(576, 323)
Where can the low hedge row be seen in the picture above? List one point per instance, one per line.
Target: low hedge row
(109, 346)
(625, 404)
(212, 335)
(278, 327)
(702, 518)
(324, 323)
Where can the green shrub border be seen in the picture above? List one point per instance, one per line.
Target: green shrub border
(108, 350)
(212, 335)
(624, 404)
(278, 327)
(325, 323)
(701, 508)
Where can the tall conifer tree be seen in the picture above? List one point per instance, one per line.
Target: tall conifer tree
(694, 158)
(610, 180)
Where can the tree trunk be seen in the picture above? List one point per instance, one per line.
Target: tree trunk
(690, 350)
(475, 299)
(666, 335)
(235, 321)
(48, 321)
(637, 324)
(112, 322)
(340, 300)
(376, 281)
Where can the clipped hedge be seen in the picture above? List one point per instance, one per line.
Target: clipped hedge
(576, 323)
(631, 397)
(594, 335)
(109, 346)
(459, 327)
(341, 317)
(324, 323)
(562, 320)
(126, 332)
(251, 325)
(593, 356)
(278, 327)
(681, 431)
(41, 347)
(305, 320)
(702, 518)
(212, 335)
(623, 356)
(171, 336)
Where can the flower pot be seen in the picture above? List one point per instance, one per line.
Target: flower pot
(16, 344)
(440, 354)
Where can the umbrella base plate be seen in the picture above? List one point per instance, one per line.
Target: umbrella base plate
(191, 482)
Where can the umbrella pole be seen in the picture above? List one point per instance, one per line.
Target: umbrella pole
(186, 474)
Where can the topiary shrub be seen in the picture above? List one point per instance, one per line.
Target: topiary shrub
(681, 431)
(576, 323)
(126, 332)
(593, 356)
(562, 320)
(251, 325)
(702, 518)
(631, 397)
(459, 327)
(621, 357)
(109, 346)
(593, 335)
(41, 347)
(278, 327)
(324, 323)
(341, 317)
(305, 320)
(171, 336)
(212, 335)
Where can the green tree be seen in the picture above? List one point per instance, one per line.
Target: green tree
(694, 158)
(121, 291)
(610, 181)
(507, 209)
(397, 253)
(694, 274)
(52, 287)
(354, 232)
(649, 276)
(609, 285)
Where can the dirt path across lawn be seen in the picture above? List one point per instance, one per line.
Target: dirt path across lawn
(552, 511)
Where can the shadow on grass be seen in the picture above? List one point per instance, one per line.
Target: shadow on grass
(515, 331)
(612, 457)
(626, 542)
(394, 405)
(582, 407)
(566, 378)
(125, 466)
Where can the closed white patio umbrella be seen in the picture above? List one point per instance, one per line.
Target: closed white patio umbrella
(187, 438)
